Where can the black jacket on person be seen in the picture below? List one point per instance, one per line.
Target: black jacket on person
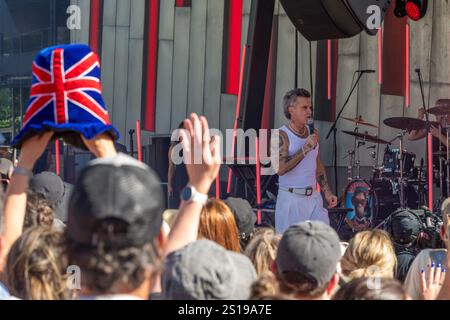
(405, 257)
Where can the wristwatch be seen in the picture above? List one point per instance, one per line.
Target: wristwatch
(189, 193)
(23, 172)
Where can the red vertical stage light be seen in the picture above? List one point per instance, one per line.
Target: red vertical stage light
(233, 45)
(258, 179)
(329, 69)
(57, 157)
(430, 171)
(236, 118)
(151, 63)
(182, 3)
(138, 140)
(218, 186)
(407, 85)
(380, 55)
(94, 21)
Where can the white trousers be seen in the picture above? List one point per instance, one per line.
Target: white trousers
(293, 208)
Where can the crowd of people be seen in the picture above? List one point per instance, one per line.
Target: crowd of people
(111, 238)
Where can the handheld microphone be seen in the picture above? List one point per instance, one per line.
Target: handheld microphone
(418, 70)
(366, 71)
(310, 124)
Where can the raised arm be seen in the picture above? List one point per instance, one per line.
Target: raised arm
(322, 180)
(195, 139)
(15, 202)
(288, 162)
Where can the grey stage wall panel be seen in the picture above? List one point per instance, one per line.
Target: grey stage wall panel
(303, 62)
(123, 13)
(420, 45)
(81, 35)
(213, 61)
(137, 20)
(164, 87)
(227, 111)
(109, 12)
(440, 64)
(108, 53)
(369, 91)
(348, 64)
(180, 65)
(134, 85)
(391, 106)
(420, 49)
(285, 73)
(197, 45)
(440, 53)
(166, 19)
(121, 79)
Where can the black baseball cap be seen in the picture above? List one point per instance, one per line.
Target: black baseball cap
(405, 226)
(119, 189)
(310, 248)
(55, 191)
(243, 214)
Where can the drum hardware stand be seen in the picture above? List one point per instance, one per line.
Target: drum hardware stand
(351, 155)
(338, 116)
(419, 188)
(358, 160)
(428, 126)
(400, 158)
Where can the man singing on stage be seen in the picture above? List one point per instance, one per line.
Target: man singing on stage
(300, 167)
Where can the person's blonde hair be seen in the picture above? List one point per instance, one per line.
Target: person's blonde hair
(217, 223)
(266, 285)
(262, 249)
(35, 268)
(169, 216)
(369, 254)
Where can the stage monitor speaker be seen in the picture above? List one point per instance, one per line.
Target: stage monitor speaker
(334, 19)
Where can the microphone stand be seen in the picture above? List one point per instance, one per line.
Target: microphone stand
(428, 129)
(334, 129)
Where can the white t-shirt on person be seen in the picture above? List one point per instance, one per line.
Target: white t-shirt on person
(304, 174)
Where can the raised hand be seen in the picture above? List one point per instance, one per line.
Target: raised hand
(312, 141)
(202, 155)
(431, 285)
(32, 149)
(101, 146)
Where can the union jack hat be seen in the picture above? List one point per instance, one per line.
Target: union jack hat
(66, 96)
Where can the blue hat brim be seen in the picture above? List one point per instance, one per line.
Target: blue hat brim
(70, 132)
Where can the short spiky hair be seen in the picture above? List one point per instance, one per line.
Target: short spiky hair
(291, 96)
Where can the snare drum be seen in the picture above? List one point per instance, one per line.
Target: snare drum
(391, 163)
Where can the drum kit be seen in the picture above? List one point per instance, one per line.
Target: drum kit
(397, 183)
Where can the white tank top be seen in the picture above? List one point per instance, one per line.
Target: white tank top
(304, 174)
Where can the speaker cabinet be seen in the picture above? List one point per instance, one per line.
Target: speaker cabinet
(333, 19)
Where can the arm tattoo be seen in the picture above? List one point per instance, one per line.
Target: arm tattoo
(322, 176)
(288, 162)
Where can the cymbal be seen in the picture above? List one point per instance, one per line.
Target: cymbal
(405, 123)
(442, 108)
(366, 137)
(360, 120)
